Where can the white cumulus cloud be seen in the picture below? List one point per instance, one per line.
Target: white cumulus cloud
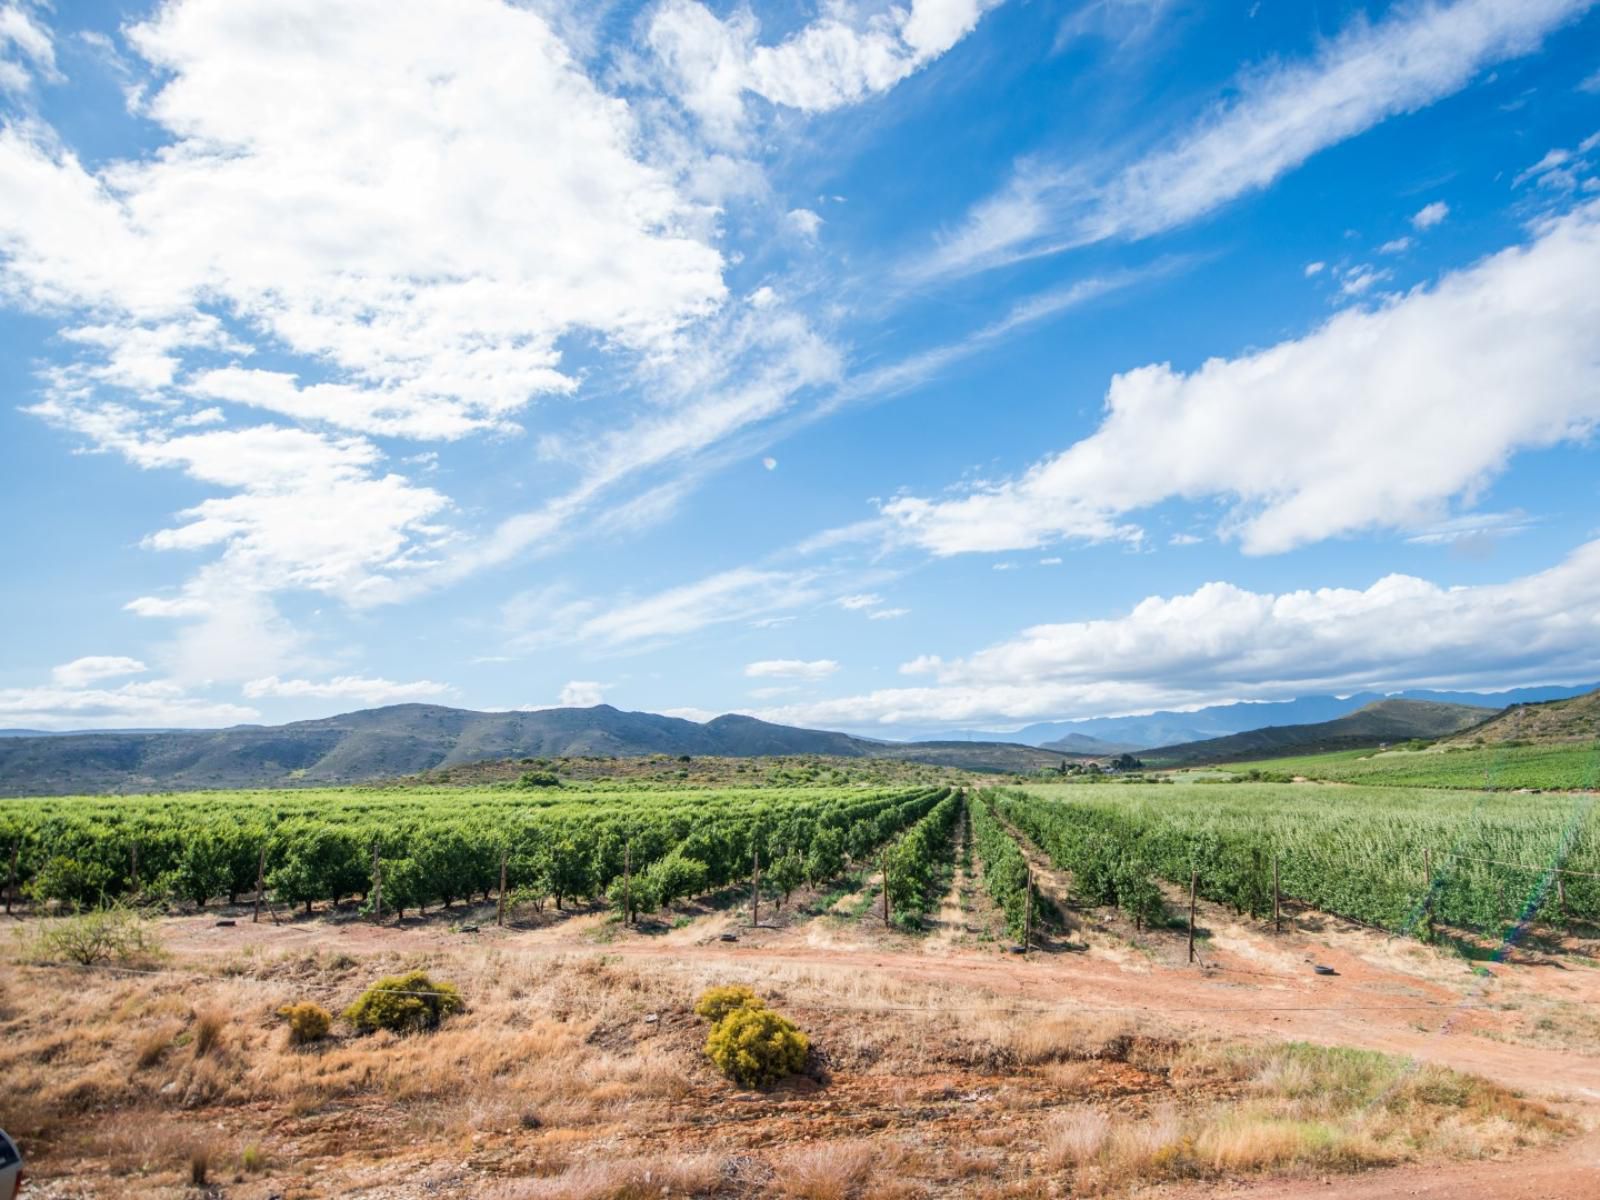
(1222, 642)
(1379, 419)
(151, 704)
(582, 693)
(842, 57)
(1430, 215)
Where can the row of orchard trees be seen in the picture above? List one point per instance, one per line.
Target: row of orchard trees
(914, 867)
(1004, 869)
(1400, 859)
(1107, 854)
(673, 845)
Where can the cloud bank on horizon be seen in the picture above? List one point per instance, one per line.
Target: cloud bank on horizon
(364, 353)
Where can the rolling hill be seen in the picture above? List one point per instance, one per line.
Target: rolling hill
(1377, 723)
(406, 739)
(1551, 722)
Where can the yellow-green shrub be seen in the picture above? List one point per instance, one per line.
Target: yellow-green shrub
(716, 1003)
(404, 1004)
(756, 1046)
(308, 1022)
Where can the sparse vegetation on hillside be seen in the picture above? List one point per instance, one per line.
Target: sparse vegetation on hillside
(408, 1003)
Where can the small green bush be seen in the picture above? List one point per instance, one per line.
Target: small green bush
(404, 1004)
(114, 934)
(756, 1046)
(308, 1022)
(718, 1002)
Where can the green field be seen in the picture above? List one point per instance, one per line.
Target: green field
(1499, 767)
(1357, 851)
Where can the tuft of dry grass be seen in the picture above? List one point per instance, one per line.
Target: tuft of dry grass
(1074, 1137)
(199, 1164)
(208, 1026)
(1066, 1039)
(151, 1044)
(621, 1179)
(824, 1170)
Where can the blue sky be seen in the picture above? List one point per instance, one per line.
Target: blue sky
(890, 367)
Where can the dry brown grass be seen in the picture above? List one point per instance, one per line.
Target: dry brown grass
(621, 1179)
(149, 1046)
(1074, 1137)
(555, 1084)
(825, 1170)
(208, 1026)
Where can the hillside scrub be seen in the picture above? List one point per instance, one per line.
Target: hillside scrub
(409, 1003)
(115, 934)
(756, 1046)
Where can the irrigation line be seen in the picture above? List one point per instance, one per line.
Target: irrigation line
(1499, 862)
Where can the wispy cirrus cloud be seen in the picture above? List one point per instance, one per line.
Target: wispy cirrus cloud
(1280, 116)
(809, 670)
(358, 688)
(95, 667)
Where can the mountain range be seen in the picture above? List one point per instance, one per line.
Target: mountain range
(1372, 725)
(1166, 728)
(405, 739)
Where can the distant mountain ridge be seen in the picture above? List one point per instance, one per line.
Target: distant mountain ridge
(406, 739)
(1169, 728)
(1376, 723)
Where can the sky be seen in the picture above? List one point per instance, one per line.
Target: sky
(890, 367)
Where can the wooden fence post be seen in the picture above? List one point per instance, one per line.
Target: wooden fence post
(500, 906)
(1277, 899)
(883, 869)
(135, 853)
(627, 882)
(377, 885)
(11, 877)
(261, 874)
(755, 887)
(1027, 922)
(1561, 892)
(1194, 880)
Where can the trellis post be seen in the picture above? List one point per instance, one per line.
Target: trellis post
(1194, 883)
(755, 887)
(1027, 923)
(377, 884)
(11, 876)
(500, 908)
(1277, 900)
(261, 875)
